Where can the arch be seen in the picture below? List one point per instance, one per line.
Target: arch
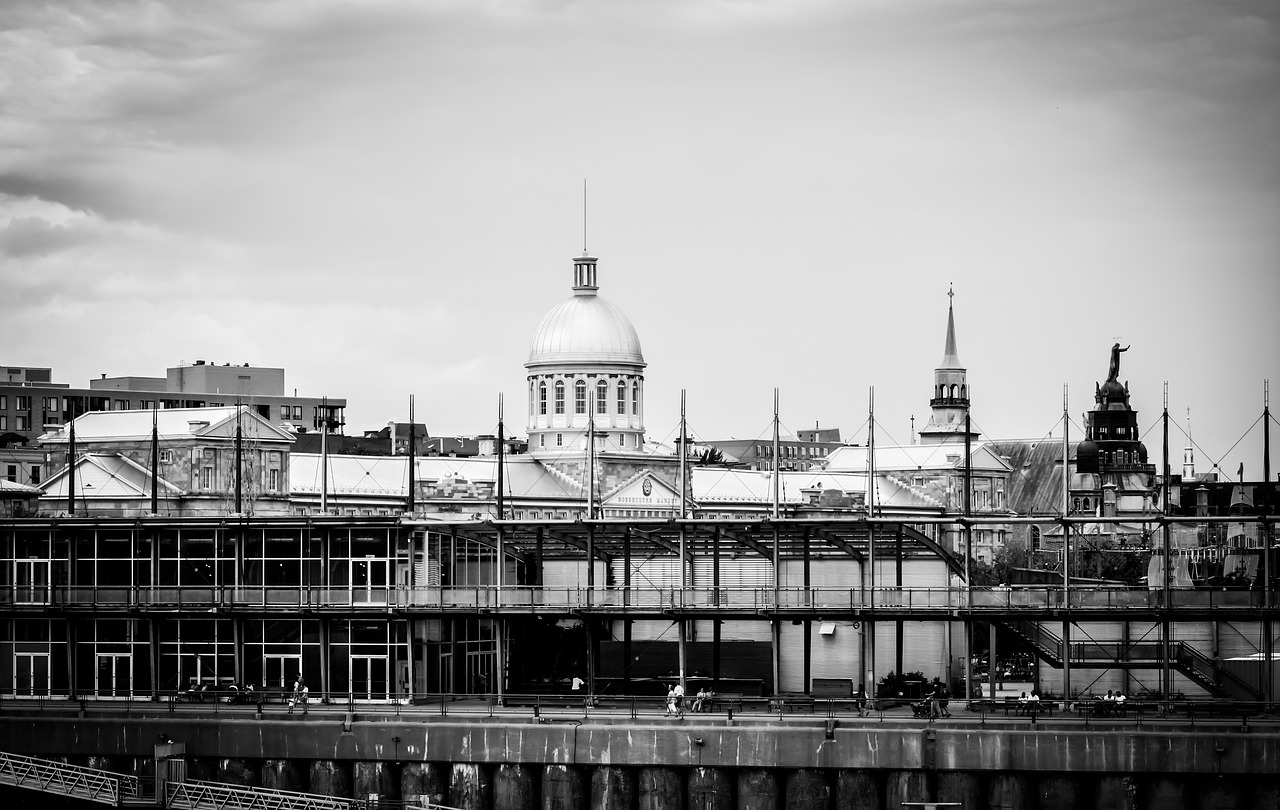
(602, 397)
(560, 396)
(622, 397)
(953, 390)
(542, 398)
(580, 397)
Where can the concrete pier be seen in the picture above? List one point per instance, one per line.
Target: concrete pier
(808, 790)
(757, 789)
(470, 786)
(660, 788)
(331, 778)
(613, 788)
(859, 790)
(564, 787)
(710, 789)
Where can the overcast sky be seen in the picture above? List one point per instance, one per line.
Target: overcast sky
(384, 198)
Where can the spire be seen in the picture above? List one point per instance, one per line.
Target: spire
(951, 359)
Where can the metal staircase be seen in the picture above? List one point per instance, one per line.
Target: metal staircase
(48, 776)
(1188, 661)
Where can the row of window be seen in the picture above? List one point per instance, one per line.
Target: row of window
(793, 451)
(623, 393)
(13, 471)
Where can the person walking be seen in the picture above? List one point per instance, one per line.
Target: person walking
(299, 694)
(671, 700)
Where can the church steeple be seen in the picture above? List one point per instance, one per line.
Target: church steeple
(950, 358)
(950, 402)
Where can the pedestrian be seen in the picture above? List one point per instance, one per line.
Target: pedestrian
(671, 700)
(679, 693)
(296, 695)
(860, 699)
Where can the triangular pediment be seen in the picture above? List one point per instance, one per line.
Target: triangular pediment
(644, 490)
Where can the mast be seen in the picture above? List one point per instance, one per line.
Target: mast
(1066, 538)
(324, 455)
(1166, 674)
(870, 637)
(502, 511)
(776, 625)
(684, 567)
(968, 556)
(239, 456)
(155, 459)
(71, 464)
(413, 453)
(591, 461)
(1268, 571)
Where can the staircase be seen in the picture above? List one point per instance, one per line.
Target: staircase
(1190, 662)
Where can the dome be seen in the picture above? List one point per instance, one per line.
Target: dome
(586, 329)
(1087, 456)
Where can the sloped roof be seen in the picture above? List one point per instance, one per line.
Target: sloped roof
(916, 457)
(171, 423)
(106, 475)
(12, 489)
(719, 485)
(1035, 484)
(523, 476)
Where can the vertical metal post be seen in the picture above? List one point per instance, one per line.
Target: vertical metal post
(1066, 543)
(1166, 646)
(682, 630)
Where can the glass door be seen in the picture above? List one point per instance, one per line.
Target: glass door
(30, 674)
(115, 675)
(369, 677)
(280, 671)
(369, 581)
(31, 581)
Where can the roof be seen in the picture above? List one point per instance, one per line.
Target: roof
(713, 485)
(585, 329)
(12, 489)
(917, 457)
(1035, 485)
(106, 475)
(171, 423)
(523, 476)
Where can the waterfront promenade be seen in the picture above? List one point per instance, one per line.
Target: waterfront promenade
(625, 753)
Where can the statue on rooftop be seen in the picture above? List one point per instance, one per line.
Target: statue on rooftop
(1114, 371)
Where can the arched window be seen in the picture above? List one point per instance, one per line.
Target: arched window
(542, 399)
(1085, 504)
(635, 399)
(622, 397)
(602, 397)
(1075, 503)
(962, 392)
(580, 396)
(559, 396)
(953, 391)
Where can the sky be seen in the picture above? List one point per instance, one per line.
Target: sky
(384, 198)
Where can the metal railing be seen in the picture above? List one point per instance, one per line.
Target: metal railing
(59, 778)
(524, 597)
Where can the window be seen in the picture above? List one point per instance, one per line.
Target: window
(166, 456)
(580, 396)
(122, 405)
(635, 399)
(22, 423)
(559, 396)
(297, 411)
(4, 403)
(542, 399)
(542, 440)
(50, 403)
(273, 480)
(285, 410)
(206, 477)
(12, 473)
(559, 440)
(22, 403)
(146, 404)
(602, 397)
(35, 473)
(622, 397)
(4, 422)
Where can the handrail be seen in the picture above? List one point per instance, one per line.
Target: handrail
(196, 795)
(530, 597)
(48, 776)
